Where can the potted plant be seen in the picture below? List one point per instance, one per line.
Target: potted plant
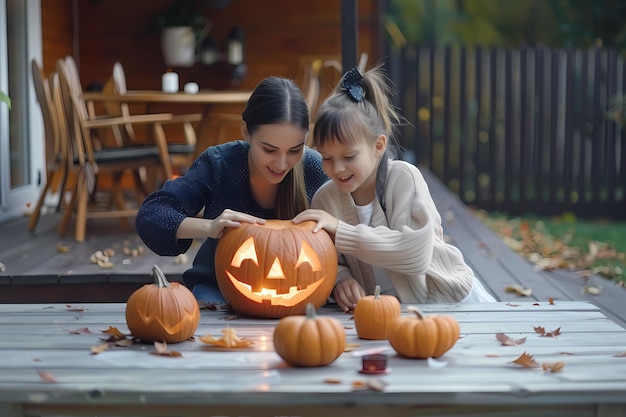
(182, 28)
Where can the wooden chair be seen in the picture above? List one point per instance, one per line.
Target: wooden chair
(321, 74)
(56, 163)
(76, 125)
(182, 150)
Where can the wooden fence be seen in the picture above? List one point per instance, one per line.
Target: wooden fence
(518, 130)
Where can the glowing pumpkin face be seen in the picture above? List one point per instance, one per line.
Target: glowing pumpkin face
(273, 270)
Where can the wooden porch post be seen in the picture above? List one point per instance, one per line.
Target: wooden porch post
(349, 33)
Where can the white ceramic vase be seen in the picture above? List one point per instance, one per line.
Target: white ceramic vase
(179, 46)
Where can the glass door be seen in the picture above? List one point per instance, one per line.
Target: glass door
(21, 132)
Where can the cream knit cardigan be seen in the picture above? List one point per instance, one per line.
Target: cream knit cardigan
(407, 242)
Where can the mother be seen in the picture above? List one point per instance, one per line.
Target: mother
(269, 174)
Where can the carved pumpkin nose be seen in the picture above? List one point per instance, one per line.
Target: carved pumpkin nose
(276, 271)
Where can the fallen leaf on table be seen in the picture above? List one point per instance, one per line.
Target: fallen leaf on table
(47, 376)
(351, 346)
(551, 301)
(229, 340)
(82, 330)
(377, 384)
(519, 290)
(542, 332)
(509, 341)
(332, 381)
(359, 385)
(122, 342)
(114, 332)
(436, 363)
(160, 349)
(526, 361)
(103, 347)
(552, 366)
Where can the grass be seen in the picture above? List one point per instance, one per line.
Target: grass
(588, 246)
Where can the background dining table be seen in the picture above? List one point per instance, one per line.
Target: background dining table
(54, 363)
(207, 99)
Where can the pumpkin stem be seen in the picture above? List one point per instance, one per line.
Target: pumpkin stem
(159, 277)
(310, 311)
(377, 292)
(416, 310)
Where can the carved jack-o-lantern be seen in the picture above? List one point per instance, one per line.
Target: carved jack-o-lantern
(273, 270)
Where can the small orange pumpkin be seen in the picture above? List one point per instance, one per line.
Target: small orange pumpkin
(309, 340)
(422, 336)
(162, 311)
(274, 269)
(374, 314)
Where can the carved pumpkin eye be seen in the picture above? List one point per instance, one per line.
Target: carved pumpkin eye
(245, 251)
(308, 255)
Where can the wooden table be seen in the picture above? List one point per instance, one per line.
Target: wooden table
(47, 370)
(206, 98)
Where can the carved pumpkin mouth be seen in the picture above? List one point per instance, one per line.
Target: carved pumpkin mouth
(288, 299)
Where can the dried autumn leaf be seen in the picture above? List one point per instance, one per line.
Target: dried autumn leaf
(122, 342)
(552, 366)
(519, 290)
(114, 332)
(103, 347)
(377, 384)
(621, 355)
(82, 330)
(229, 340)
(542, 332)
(351, 346)
(551, 301)
(332, 381)
(160, 349)
(61, 248)
(359, 385)
(436, 363)
(47, 376)
(591, 290)
(509, 341)
(526, 361)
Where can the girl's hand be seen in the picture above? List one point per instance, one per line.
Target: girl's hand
(324, 220)
(347, 293)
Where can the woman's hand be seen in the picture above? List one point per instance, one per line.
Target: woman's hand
(323, 219)
(193, 227)
(347, 293)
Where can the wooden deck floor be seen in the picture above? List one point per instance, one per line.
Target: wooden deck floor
(37, 271)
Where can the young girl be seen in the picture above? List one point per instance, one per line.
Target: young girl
(386, 228)
(270, 174)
